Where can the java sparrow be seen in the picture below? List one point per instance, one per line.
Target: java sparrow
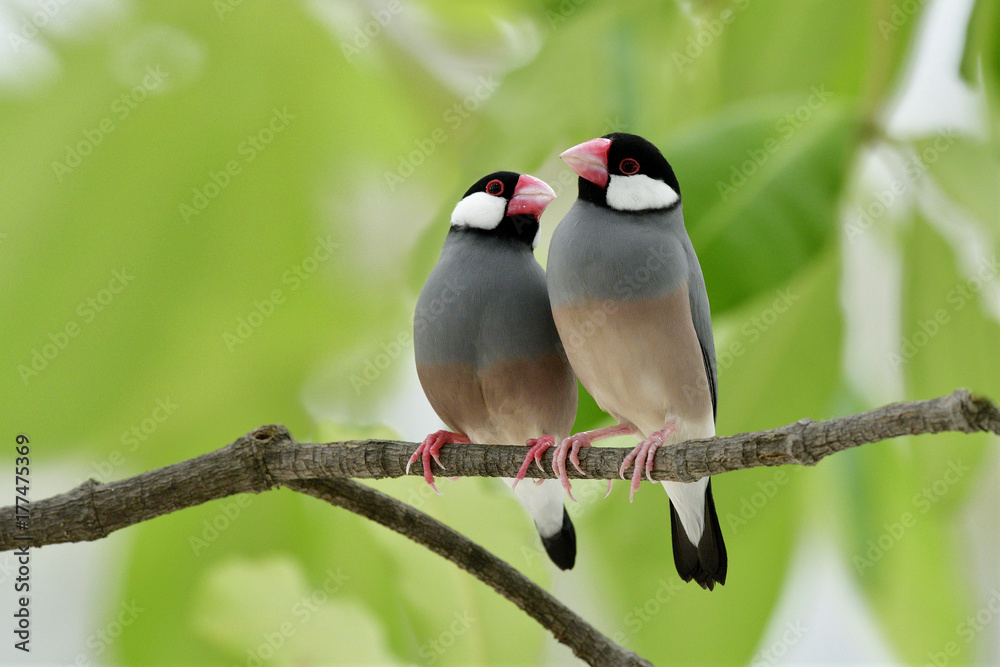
(630, 304)
(488, 354)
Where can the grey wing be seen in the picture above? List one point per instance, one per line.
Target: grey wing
(701, 315)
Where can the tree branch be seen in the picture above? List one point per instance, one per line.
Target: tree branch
(262, 460)
(586, 642)
(269, 457)
(93, 510)
(804, 443)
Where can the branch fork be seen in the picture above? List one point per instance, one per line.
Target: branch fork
(268, 457)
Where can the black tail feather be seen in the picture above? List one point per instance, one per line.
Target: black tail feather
(561, 547)
(706, 563)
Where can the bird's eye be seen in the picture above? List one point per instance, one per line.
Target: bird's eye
(628, 166)
(494, 187)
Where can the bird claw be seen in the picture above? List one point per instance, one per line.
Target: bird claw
(571, 446)
(430, 448)
(627, 461)
(649, 465)
(644, 456)
(536, 447)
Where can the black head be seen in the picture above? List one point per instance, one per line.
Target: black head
(503, 204)
(624, 172)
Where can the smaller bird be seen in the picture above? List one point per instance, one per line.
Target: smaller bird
(630, 303)
(487, 351)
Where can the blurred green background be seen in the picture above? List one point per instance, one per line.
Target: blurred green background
(218, 215)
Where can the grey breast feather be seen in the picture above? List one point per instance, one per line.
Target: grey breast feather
(597, 253)
(485, 301)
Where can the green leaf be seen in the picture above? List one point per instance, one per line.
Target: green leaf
(764, 184)
(862, 47)
(899, 534)
(982, 44)
(265, 611)
(967, 171)
(906, 497)
(948, 341)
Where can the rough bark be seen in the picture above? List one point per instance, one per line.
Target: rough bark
(269, 457)
(586, 642)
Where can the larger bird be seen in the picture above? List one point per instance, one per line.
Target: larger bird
(488, 355)
(629, 300)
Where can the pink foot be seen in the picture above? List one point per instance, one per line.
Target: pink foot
(536, 447)
(571, 446)
(430, 448)
(643, 455)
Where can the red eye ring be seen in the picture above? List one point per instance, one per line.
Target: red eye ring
(494, 187)
(628, 166)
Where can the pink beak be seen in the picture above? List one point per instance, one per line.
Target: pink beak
(590, 160)
(531, 196)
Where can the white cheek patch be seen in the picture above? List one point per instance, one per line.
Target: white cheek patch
(479, 210)
(639, 193)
